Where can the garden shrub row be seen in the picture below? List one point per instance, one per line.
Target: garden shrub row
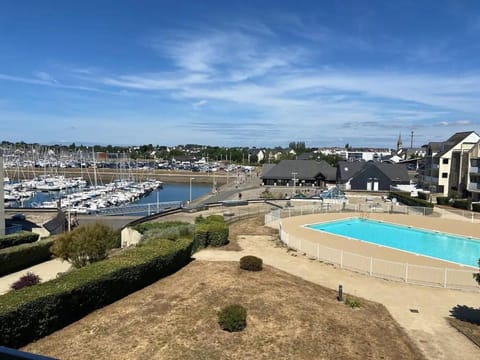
(210, 231)
(406, 199)
(461, 204)
(34, 312)
(172, 230)
(443, 200)
(423, 195)
(147, 226)
(19, 257)
(22, 237)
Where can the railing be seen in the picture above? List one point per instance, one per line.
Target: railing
(139, 209)
(397, 271)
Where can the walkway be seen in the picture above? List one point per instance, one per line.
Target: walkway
(428, 328)
(47, 271)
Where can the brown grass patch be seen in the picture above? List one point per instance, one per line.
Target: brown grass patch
(250, 226)
(176, 318)
(470, 330)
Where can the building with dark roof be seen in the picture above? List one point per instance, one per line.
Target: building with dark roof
(445, 168)
(305, 173)
(371, 176)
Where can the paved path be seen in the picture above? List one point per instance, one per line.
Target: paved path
(47, 271)
(429, 329)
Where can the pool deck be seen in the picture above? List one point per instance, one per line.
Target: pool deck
(295, 227)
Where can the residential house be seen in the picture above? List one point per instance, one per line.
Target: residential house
(371, 176)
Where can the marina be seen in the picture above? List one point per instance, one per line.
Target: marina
(74, 195)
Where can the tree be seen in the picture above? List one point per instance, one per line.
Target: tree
(86, 244)
(477, 276)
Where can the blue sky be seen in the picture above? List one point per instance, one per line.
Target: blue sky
(253, 73)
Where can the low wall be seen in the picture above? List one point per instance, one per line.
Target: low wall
(130, 237)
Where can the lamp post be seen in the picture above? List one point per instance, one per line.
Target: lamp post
(294, 181)
(190, 190)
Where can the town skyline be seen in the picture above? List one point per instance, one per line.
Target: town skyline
(232, 74)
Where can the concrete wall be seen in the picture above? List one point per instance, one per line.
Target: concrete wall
(130, 237)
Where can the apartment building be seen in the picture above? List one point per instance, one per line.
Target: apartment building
(447, 164)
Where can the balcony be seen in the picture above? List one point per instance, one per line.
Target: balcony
(474, 186)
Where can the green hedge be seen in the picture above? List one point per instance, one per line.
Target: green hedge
(406, 199)
(476, 207)
(34, 312)
(423, 195)
(19, 257)
(461, 204)
(443, 200)
(147, 226)
(210, 231)
(22, 237)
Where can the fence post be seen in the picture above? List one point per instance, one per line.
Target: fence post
(318, 252)
(148, 209)
(371, 266)
(445, 279)
(424, 211)
(341, 259)
(406, 272)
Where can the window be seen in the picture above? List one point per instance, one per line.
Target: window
(444, 175)
(445, 161)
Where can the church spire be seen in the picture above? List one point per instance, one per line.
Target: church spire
(399, 142)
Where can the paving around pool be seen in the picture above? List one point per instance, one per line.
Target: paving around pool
(380, 258)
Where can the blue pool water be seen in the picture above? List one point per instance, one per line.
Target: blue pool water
(458, 249)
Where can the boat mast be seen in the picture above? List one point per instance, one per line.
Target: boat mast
(94, 167)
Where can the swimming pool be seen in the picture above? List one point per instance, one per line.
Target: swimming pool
(458, 249)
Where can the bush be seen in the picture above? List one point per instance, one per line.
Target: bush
(476, 207)
(211, 231)
(85, 245)
(22, 237)
(251, 263)
(353, 303)
(443, 200)
(461, 204)
(19, 257)
(170, 232)
(423, 195)
(29, 279)
(39, 310)
(233, 318)
(147, 226)
(406, 199)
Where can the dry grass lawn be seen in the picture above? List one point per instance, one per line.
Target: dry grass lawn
(176, 318)
(249, 226)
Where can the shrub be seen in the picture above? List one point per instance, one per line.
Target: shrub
(251, 263)
(406, 199)
(147, 226)
(353, 303)
(170, 232)
(461, 204)
(233, 318)
(29, 279)
(39, 310)
(199, 219)
(212, 231)
(22, 237)
(266, 194)
(19, 257)
(85, 245)
(476, 207)
(442, 200)
(423, 195)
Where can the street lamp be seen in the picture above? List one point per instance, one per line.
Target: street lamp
(191, 190)
(294, 181)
